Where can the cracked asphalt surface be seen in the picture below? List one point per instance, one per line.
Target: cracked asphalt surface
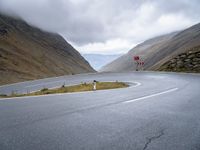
(149, 140)
(162, 112)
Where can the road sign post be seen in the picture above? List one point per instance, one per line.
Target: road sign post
(142, 64)
(136, 59)
(138, 62)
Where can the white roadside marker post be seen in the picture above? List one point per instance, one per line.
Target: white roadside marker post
(94, 85)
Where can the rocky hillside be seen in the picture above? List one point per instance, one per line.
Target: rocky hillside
(28, 53)
(144, 50)
(185, 62)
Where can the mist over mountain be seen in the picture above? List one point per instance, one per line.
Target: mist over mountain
(106, 26)
(28, 53)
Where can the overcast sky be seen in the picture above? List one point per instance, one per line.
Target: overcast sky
(106, 26)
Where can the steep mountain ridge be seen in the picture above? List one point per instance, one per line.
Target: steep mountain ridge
(159, 50)
(180, 43)
(144, 50)
(28, 53)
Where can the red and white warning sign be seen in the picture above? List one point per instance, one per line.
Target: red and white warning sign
(139, 62)
(136, 58)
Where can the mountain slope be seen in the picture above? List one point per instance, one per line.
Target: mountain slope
(180, 43)
(157, 51)
(144, 50)
(28, 53)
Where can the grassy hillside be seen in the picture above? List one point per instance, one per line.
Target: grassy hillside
(27, 53)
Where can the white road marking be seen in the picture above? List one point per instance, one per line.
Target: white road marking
(137, 84)
(152, 95)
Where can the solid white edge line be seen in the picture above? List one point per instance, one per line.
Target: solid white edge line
(72, 93)
(152, 95)
(137, 84)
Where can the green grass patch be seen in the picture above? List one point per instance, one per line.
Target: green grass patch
(75, 88)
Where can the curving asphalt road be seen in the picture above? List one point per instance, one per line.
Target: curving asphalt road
(161, 111)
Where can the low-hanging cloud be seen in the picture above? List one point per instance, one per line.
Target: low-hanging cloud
(99, 22)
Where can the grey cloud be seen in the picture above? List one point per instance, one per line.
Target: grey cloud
(187, 7)
(88, 21)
